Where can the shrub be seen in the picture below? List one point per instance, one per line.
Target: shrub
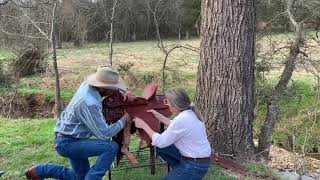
(30, 61)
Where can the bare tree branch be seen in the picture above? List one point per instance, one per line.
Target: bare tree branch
(292, 19)
(4, 2)
(21, 35)
(35, 25)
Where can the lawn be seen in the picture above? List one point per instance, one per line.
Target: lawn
(26, 142)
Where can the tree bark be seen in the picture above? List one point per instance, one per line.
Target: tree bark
(225, 84)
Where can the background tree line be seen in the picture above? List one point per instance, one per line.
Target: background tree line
(79, 21)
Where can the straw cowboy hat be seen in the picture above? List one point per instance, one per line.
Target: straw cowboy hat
(106, 77)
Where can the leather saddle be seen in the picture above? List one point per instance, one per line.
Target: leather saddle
(114, 108)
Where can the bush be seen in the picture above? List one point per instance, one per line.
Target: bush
(29, 62)
(5, 78)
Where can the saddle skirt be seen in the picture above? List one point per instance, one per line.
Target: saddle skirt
(114, 108)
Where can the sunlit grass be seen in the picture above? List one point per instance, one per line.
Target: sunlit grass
(26, 142)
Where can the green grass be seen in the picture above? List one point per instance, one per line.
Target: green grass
(5, 55)
(48, 94)
(26, 142)
(66, 94)
(262, 171)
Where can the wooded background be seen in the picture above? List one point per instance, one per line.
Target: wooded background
(80, 21)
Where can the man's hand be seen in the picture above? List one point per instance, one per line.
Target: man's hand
(128, 95)
(140, 123)
(127, 118)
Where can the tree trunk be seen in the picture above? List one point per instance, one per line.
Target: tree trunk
(57, 81)
(55, 65)
(272, 109)
(197, 25)
(134, 35)
(147, 25)
(187, 34)
(179, 28)
(111, 32)
(225, 85)
(57, 36)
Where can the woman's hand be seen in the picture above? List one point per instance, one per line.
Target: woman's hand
(160, 117)
(142, 125)
(139, 123)
(154, 112)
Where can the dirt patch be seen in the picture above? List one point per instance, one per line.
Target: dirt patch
(282, 160)
(29, 106)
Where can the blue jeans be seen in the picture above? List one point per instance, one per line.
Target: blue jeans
(78, 151)
(181, 169)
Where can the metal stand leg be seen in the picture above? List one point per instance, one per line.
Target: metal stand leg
(152, 160)
(161, 130)
(109, 174)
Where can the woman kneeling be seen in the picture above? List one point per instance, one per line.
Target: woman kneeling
(184, 144)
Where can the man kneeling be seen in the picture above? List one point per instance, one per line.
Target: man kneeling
(81, 119)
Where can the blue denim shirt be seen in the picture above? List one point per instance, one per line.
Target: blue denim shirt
(83, 116)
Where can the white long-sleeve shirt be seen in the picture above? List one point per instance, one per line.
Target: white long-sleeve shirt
(187, 133)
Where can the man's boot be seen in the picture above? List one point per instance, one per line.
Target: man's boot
(31, 174)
